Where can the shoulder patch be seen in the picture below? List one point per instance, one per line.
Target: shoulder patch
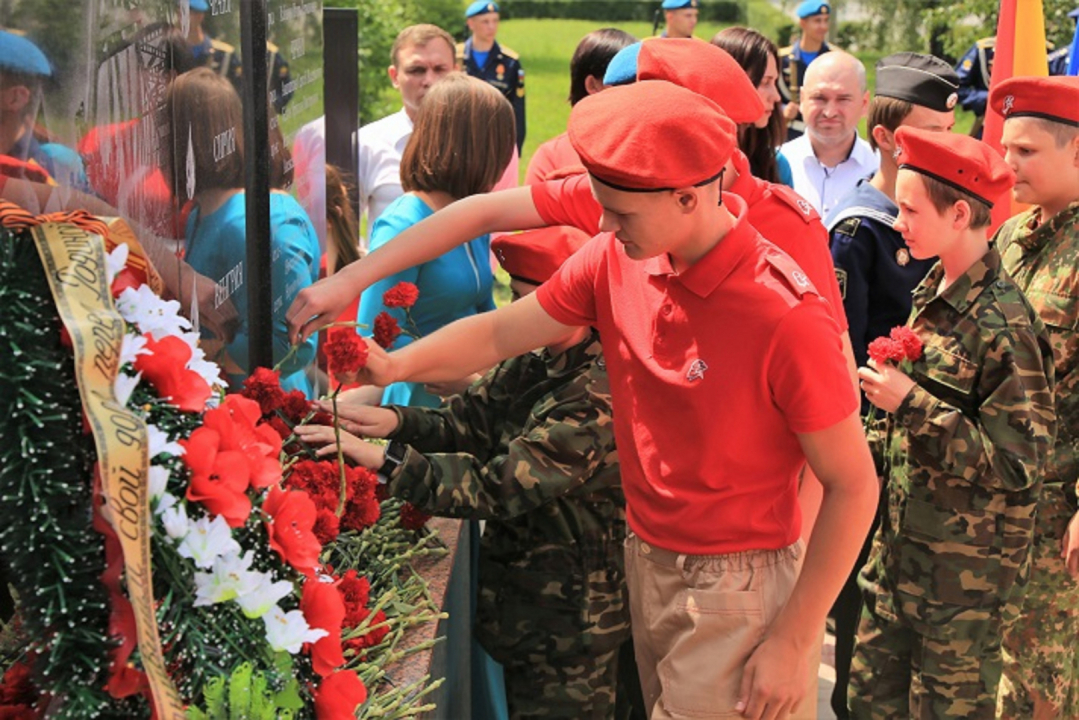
(793, 276)
(968, 64)
(271, 47)
(849, 226)
(987, 42)
(222, 46)
(796, 201)
(509, 53)
(784, 52)
(841, 278)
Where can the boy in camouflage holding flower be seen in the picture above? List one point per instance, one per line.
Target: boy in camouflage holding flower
(1040, 248)
(962, 453)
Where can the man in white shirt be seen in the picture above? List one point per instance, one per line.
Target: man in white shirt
(829, 159)
(422, 55)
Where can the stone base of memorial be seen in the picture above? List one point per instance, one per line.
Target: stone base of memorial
(172, 548)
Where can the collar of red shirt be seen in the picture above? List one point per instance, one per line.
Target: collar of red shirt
(746, 186)
(708, 273)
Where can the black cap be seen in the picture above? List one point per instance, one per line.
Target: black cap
(920, 79)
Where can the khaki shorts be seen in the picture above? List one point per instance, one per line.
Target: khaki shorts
(696, 619)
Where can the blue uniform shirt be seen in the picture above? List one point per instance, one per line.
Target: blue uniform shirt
(502, 69)
(875, 270)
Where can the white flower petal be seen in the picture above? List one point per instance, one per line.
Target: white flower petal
(175, 520)
(123, 386)
(264, 596)
(158, 481)
(208, 539)
(131, 347)
(115, 261)
(150, 314)
(289, 631)
(160, 443)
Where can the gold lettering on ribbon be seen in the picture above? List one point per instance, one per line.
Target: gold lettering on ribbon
(74, 261)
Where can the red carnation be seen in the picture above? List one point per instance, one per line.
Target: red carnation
(356, 592)
(296, 406)
(291, 528)
(346, 353)
(884, 350)
(401, 295)
(219, 478)
(327, 525)
(412, 518)
(264, 387)
(165, 366)
(386, 329)
(320, 479)
(371, 637)
(324, 609)
(909, 341)
(17, 689)
(339, 695)
(362, 509)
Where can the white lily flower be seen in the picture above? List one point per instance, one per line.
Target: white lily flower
(115, 261)
(158, 481)
(231, 577)
(174, 518)
(123, 386)
(289, 631)
(131, 347)
(208, 371)
(208, 539)
(159, 443)
(264, 596)
(152, 315)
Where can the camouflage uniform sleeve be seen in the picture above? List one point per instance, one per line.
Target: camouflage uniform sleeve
(548, 460)
(466, 423)
(1010, 436)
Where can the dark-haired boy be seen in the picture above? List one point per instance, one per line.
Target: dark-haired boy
(963, 450)
(874, 267)
(1040, 248)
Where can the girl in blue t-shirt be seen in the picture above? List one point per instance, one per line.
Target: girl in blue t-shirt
(461, 144)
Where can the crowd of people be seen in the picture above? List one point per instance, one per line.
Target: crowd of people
(758, 371)
(833, 390)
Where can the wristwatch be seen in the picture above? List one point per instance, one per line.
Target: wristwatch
(395, 457)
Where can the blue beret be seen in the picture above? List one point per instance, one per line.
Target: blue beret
(201, 6)
(17, 54)
(809, 8)
(680, 4)
(481, 7)
(622, 70)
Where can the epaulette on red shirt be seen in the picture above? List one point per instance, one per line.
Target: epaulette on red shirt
(796, 201)
(793, 277)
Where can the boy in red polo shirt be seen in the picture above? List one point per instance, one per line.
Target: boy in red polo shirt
(727, 375)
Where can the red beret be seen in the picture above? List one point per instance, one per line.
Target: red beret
(651, 136)
(706, 70)
(535, 255)
(959, 161)
(1051, 98)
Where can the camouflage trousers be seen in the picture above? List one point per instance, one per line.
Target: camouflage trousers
(899, 673)
(1040, 647)
(571, 690)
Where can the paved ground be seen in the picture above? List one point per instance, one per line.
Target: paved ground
(826, 679)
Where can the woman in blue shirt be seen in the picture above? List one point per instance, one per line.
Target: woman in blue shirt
(206, 166)
(461, 144)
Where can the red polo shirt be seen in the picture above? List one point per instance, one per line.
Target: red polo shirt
(552, 155)
(713, 372)
(776, 211)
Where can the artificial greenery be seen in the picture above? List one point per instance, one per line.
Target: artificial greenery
(50, 550)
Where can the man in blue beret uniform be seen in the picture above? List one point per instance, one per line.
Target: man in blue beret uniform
(224, 58)
(876, 271)
(681, 17)
(482, 57)
(23, 71)
(813, 18)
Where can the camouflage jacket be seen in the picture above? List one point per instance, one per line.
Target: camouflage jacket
(530, 448)
(1044, 260)
(965, 452)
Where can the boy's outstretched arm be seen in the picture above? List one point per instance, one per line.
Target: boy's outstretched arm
(322, 303)
(467, 345)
